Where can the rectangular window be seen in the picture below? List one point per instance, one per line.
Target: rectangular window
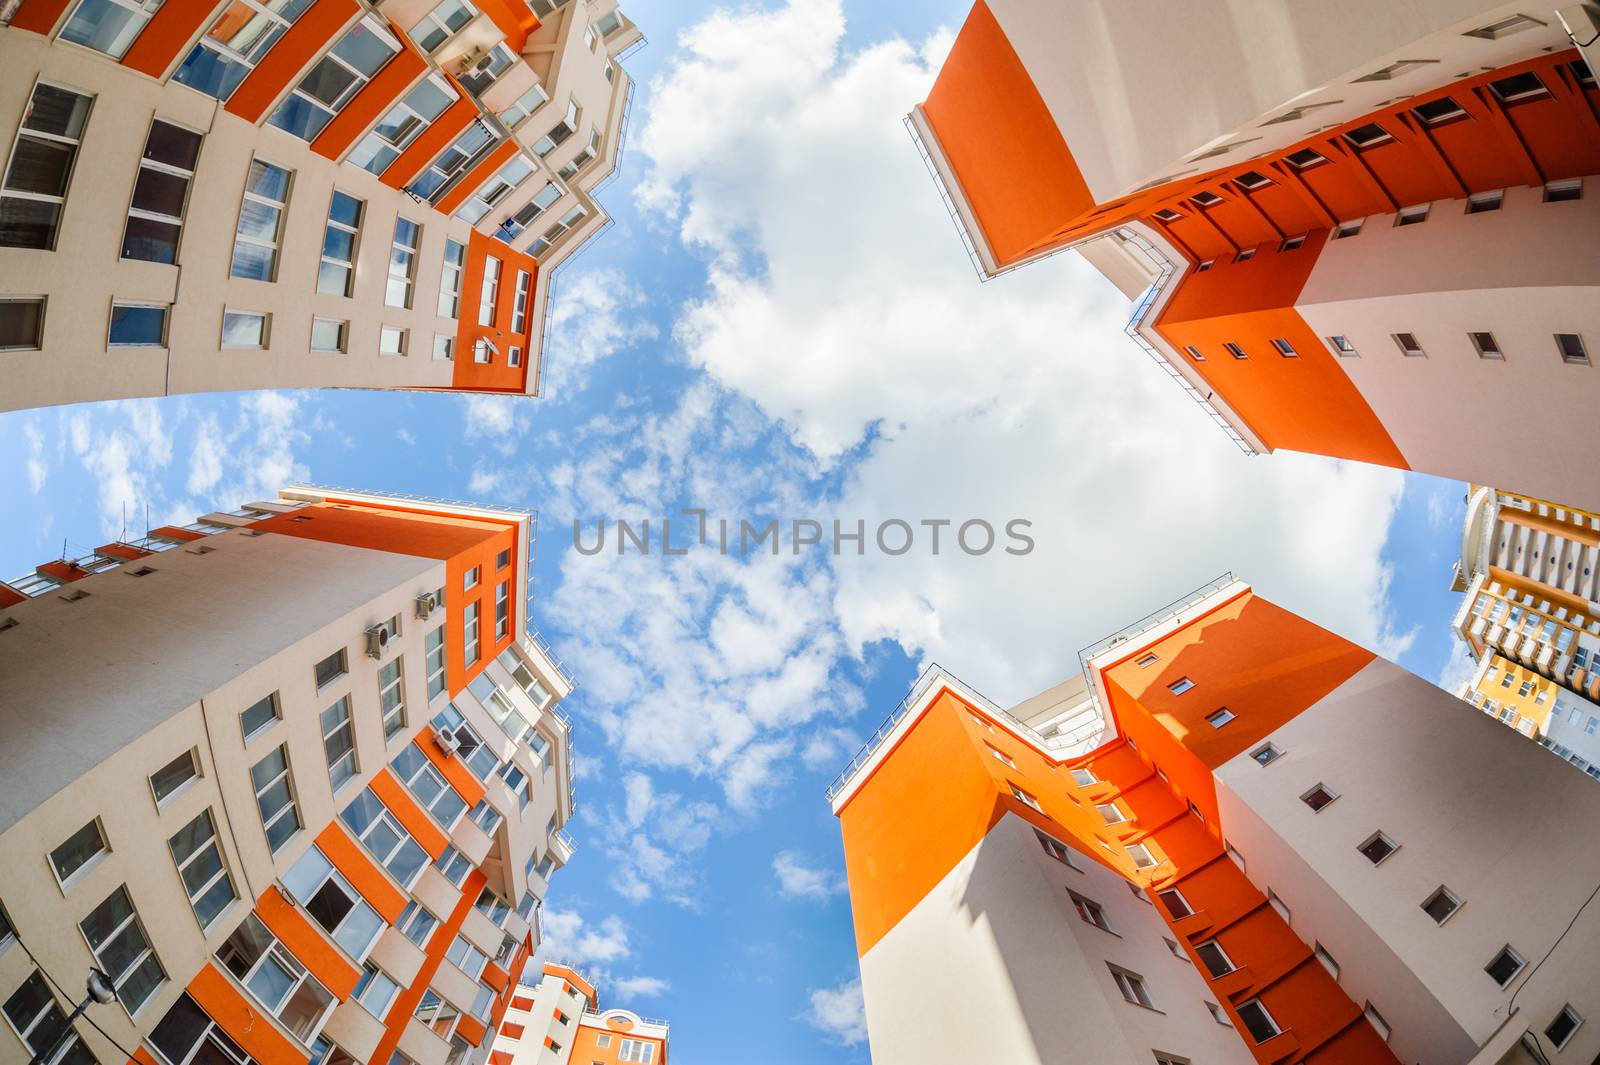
(466, 957)
(490, 293)
(1378, 847)
(122, 950)
(34, 192)
(1284, 348)
(1441, 905)
(470, 635)
(1524, 86)
(244, 32)
(1181, 685)
(336, 275)
(1341, 346)
(1090, 911)
(160, 193)
(21, 323)
(255, 241)
(444, 348)
(1266, 754)
(384, 838)
(1235, 350)
(403, 124)
(391, 698)
(330, 335)
(339, 743)
(335, 80)
(431, 791)
(1245, 256)
(1140, 855)
(1026, 799)
(1214, 958)
(494, 190)
(1176, 904)
(1055, 849)
(1486, 346)
(276, 979)
(137, 325)
(438, 25)
(1131, 985)
(523, 106)
(1554, 191)
(1368, 136)
(560, 132)
(1000, 756)
(1257, 1021)
(1570, 345)
(402, 262)
(1348, 229)
(1560, 1030)
(1505, 965)
(480, 77)
(80, 848)
(274, 789)
(108, 26)
(502, 610)
(1482, 202)
(1410, 216)
(435, 663)
(1111, 813)
(1318, 797)
(330, 669)
(173, 777)
(455, 254)
(1292, 243)
(1326, 961)
(200, 866)
(1407, 343)
(471, 145)
(244, 329)
(333, 903)
(1219, 717)
(392, 340)
(258, 716)
(636, 1050)
(38, 1022)
(519, 308)
(1084, 778)
(557, 231)
(416, 923)
(454, 866)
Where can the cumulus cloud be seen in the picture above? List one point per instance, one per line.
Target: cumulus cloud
(38, 467)
(797, 879)
(596, 948)
(595, 315)
(839, 1013)
(637, 987)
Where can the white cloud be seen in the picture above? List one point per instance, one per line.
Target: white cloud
(839, 1012)
(595, 314)
(1459, 668)
(38, 467)
(799, 880)
(637, 987)
(595, 948)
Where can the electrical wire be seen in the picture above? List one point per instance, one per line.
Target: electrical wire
(1513, 1003)
(124, 1051)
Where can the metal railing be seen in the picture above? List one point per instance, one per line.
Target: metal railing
(1151, 620)
(1136, 320)
(561, 837)
(536, 638)
(597, 1019)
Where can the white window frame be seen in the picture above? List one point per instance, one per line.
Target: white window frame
(345, 724)
(519, 306)
(54, 138)
(344, 336)
(262, 46)
(372, 25)
(280, 206)
(434, 662)
(406, 274)
(214, 843)
(166, 324)
(147, 163)
(455, 258)
(393, 341)
(284, 958)
(347, 265)
(292, 807)
(66, 883)
(471, 648)
(119, 979)
(489, 294)
(264, 317)
(1132, 986)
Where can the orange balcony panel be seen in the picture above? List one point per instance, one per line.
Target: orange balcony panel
(165, 35)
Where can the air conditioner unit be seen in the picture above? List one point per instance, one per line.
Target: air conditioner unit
(445, 739)
(473, 59)
(377, 641)
(425, 604)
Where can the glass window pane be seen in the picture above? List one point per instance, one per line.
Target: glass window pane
(57, 111)
(28, 223)
(333, 280)
(103, 26)
(271, 983)
(408, 862)
(191, 837)
(271, 182)
(211, 72)
(159, 192)
(20, 323)
(300, 117)
(345, 209)
(172, 145)
(140, 326)
(78, 848)
(243, 331)
(338, 244)
(252, 261)
(150, 241)
(40, 166)
(259, 220)
(363, 49)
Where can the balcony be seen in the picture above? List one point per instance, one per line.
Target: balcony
(562, 845)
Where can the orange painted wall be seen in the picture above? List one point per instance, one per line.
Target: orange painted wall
(470, 181)
(405, 809)
(1000, 140)
(572, 977)
(388, 85)
(451, 768)
(1306, 403)
(405, 1003)
(498, 375)
(431, 141)
(515, 19)
(586, 1046)
(313, 950)
(166, 35)
(40, 16)
(353, 862)
(238, 1016)
(312, 32)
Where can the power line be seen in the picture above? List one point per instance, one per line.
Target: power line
(63, 991)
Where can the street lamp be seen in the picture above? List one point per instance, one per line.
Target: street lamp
(101, 991)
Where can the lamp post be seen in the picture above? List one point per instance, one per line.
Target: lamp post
(101, 991)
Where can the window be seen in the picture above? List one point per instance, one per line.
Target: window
(519, 307)
(1570, 345)
(375, 991)
(1206, 199)
(337, 273)
(1257, 1021)
(1266, 754)
(1304, 159)
(1318, 797)
(1441, 905)
(36, 178)
(454, 866)
(336, 906)
(1505, 965)
(1218, 1014)
(329, 335)
(258, 716)
(502, 610)
(38, 1022)
(1000, 756)
(450, 283)
(339, 743)
(1084, 778)
(1481, 202)
(1141, 856)
(1214, 958)
(416, 923)
(1378, 847)
(275, 797)
(403, 124)
(1524, 86)
(1176, 904)
(335, 80)
(21, 323)
(1291, 244)
(472, 144)
(1055, 849)
(1486, 346)
(434, 663)
(391, 698)
(1341, 346)
(1554, 192)
(1219, 717)
(402, 262)
(1245, 256)
(244, 329)
(1252, 179)
(1410, 216)
(1181, 685)
(1167, 214)
(444, 348)
(570, 168)
(1111, 813)
(1148, 659)
(255, 241)
(1437, 112)
(466, 957)
(1205, 265)
(1278, 905)
(514, 226)
(1131, 985)
(392, 340)
(1407, 342)
(122, 950)
(160, 192)
(560, 132)
(200, 866)
(330, 669)
(1368, 136)
(523, 106)
(80, 848)
(170, 778)
(470, 636)
(276, 978)
(432, 793)
(1375, 1019)
(557, 231)
(493, 191)
(1090, 911)
(244, 32)
(492, 906)
(384, 838)
(483, 75)
(1026, 799)
(438, 25)
(1560, 1030)
(1284, 348)
(487, 297)
(1348, 229)
(137, 325)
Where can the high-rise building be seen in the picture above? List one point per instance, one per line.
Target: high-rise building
(1530, 619)
(1235, 838)
(231, 194)
(558, 1021)
(292, 776)
(1348, 227)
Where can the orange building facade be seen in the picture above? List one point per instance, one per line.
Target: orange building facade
(1346, 255)
(558, 1020)
(1192, 882)
(306, 796)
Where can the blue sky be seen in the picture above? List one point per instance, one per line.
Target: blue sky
(782, 324)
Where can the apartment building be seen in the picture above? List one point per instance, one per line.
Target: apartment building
(294, 777)
(558, 1021)
(1348, 228)
(1274, 847)
(1530, 618)
(234, 194)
